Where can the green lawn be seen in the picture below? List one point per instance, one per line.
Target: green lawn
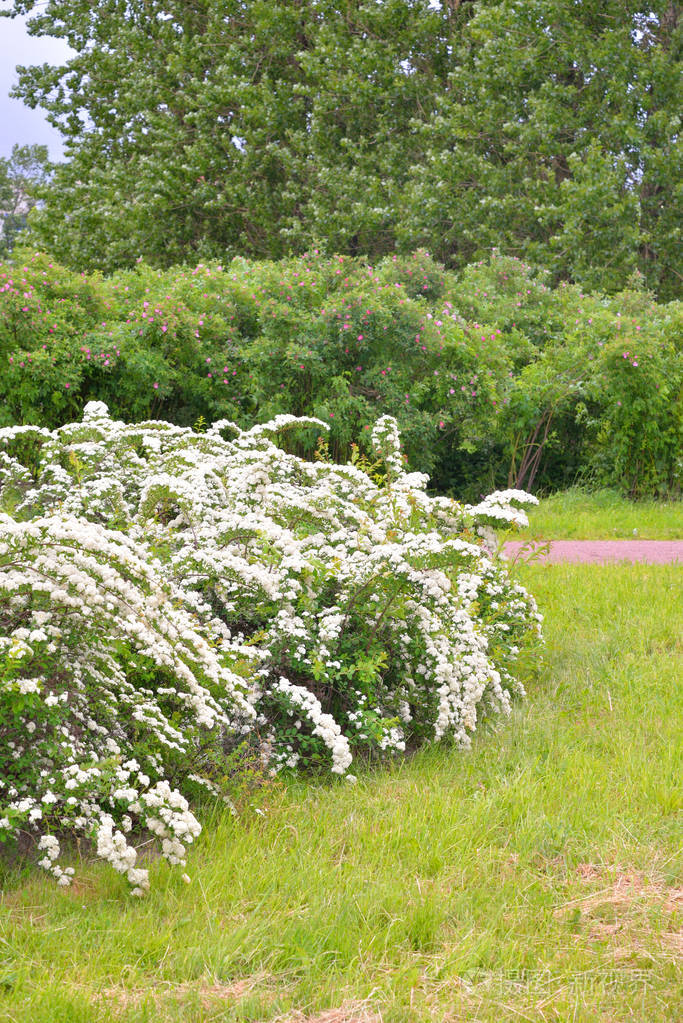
(536, 877)
(603, 515)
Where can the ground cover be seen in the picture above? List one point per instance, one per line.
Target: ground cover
(578, 514)
(534, 877)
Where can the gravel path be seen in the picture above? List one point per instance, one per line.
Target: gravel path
(654, 552)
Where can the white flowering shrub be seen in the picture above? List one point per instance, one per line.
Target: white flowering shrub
(167, 595)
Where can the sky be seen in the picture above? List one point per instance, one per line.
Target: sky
(18, 123)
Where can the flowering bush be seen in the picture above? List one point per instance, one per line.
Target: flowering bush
(167, 595)
(495, 377)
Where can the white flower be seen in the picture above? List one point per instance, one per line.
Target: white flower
(257, 595)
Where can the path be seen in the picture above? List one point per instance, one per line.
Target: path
(598, 552)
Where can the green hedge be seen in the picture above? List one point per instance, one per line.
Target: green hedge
(496, 379)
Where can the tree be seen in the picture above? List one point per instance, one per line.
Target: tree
(198, 128)
(557, 138)
(20, 177)
(193, 127)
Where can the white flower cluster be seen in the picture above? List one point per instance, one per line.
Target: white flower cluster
(323, 724)
(166, 595)
(499, 507)
(49, 845)
(387, 443)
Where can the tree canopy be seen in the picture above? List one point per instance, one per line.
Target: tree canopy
(196, 128)
(20, 175)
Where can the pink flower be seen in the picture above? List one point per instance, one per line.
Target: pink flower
(155, 386)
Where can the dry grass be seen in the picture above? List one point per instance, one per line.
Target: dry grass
(347, 1013)
(208, 992)
(635, 916)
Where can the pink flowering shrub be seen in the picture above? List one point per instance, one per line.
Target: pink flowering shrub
(634, 407)
(595, 391)
(168, 595)
(496, 378)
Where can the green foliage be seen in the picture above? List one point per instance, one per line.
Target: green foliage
(20, 176)
(204, 130)
(496, 378)
(637, 386)
(557, 138)
(597, 381)
(255, 128)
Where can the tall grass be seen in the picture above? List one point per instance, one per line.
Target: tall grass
(534, 877)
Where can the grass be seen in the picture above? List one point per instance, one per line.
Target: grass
(535, 877)
(603, 515)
